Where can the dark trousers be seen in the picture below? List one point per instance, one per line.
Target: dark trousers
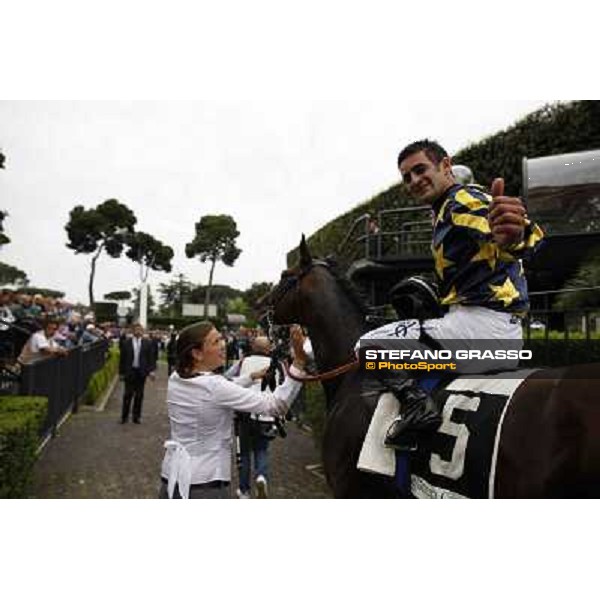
(134, 388)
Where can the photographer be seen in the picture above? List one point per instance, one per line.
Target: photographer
(255, 430)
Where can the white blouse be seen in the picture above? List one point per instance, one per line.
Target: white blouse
(201, 412)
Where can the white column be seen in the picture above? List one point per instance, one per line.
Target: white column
(143, 304)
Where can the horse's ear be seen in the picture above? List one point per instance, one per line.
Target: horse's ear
(305, 257)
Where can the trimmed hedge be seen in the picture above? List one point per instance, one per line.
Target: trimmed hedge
(554, 129)
(560, 352)
(21, 418)
(102, 378)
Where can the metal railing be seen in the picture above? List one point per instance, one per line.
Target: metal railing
(399, 232)
(363, 221)
(63, 380)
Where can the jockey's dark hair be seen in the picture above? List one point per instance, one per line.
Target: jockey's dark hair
(435, 153)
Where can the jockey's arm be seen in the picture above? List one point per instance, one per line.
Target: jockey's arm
(512, 230)
(531, 242)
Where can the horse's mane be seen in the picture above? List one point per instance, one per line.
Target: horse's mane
(355, 295)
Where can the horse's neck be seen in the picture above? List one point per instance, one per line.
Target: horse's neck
(333, 338)
(333, 334)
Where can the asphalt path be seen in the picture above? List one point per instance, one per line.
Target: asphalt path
(95, 456)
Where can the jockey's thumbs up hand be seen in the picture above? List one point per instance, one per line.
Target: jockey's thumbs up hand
(506, 216)
(497, 188)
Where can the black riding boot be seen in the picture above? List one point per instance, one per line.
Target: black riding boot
(418, 414)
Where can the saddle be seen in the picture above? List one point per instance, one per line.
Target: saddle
(459, 461)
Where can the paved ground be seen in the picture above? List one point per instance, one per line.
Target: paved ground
(94, 456)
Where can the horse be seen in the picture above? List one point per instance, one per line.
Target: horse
(547, 444)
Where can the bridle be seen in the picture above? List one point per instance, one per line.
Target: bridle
(290, 283)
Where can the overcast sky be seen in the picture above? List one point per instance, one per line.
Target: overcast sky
(280, 169)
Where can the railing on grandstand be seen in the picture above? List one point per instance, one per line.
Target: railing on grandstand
(402, 232)
(63, 380)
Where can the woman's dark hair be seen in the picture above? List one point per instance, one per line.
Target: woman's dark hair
(435, 153)
(190, 337)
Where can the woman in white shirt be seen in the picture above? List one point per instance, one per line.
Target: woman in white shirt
(201, 406)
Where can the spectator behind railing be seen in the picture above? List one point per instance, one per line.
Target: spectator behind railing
(90, 335)
(42, 344)
(6, 313)
(30, 310)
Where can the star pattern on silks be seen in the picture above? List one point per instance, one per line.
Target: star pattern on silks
(505, 256)
(451, 297)
(441, 262)
(487, 252)
(506, 292)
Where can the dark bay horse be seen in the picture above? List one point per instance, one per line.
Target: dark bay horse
(549, 444)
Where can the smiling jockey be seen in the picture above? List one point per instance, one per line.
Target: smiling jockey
(478, 243)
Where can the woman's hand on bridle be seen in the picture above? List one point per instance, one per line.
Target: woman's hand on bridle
(297, 339)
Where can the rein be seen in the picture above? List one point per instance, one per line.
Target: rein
(345, 368)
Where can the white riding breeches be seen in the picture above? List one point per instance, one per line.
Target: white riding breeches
(460, 323)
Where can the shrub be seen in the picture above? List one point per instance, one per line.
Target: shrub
(21, 418)
(102, 378)
(553, 129)
(561, 352)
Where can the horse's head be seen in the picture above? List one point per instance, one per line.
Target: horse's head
(312, 286)
(284, 303)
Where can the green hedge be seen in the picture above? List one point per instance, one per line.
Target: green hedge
(21, 418)
(554, 129)
(559, 352)
(101, 379)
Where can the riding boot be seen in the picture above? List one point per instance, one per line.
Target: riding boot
(418, 414)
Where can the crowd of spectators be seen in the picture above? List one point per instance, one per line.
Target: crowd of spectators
(34, 326)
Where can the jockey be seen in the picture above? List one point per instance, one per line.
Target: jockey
(478, 243)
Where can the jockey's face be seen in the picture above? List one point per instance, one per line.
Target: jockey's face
(425, 180)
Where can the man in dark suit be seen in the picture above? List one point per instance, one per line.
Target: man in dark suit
(136, 363)
(171, 350)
